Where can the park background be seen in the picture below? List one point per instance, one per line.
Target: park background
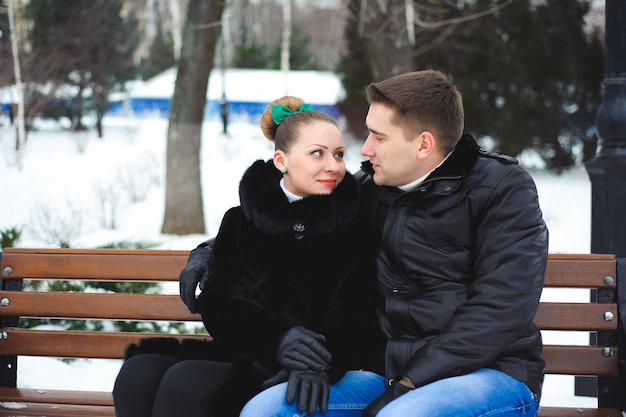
(530, 71)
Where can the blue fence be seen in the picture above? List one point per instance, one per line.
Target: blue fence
(150, 107)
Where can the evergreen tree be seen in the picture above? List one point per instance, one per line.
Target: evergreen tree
(529, 74)
(161, 56)
(355, 73)
(530, 78)
(6, 70)
(300, 57)
(253, 54)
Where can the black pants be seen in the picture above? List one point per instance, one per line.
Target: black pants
(158, 385)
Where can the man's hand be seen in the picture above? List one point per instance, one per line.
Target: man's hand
(312, 389)
(394, 391)
(194, 272)
(302, 349)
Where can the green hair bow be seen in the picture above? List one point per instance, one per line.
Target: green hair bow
(280, 112)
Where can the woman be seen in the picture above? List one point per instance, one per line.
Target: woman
(290, 288)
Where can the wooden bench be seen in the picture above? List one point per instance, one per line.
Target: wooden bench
(604, 317)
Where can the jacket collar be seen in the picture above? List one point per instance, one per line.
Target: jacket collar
(460, 161)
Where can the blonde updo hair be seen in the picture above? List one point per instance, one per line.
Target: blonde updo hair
(287, 135)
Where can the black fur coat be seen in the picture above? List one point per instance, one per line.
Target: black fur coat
(275, 265)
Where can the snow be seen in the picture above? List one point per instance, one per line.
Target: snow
(253, 85)
(77, 182)
(13, 405)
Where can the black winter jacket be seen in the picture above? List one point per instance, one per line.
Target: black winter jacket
(275, 265)
(460, 269)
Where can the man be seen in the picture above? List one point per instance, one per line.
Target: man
(461, 259)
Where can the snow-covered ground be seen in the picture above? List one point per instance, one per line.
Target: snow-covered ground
(77, 183)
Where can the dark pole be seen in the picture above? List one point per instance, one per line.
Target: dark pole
(223, 101)
(607, 170)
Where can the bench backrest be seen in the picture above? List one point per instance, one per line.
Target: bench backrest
(589, 271)
(598, 353)
(83, 265)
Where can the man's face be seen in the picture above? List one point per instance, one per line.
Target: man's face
(393, 157)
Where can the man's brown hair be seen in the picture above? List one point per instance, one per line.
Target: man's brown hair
(423, 100)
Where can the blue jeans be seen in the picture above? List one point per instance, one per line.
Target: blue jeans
(348, 397)
(486, 392)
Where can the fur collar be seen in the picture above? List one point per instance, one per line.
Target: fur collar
(265, 205)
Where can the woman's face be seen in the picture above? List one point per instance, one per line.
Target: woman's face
(315, 162)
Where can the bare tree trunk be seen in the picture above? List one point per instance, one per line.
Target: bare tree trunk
(183, 191)
(21, 133)
(176, 26)
(286, 43)
(388, 44)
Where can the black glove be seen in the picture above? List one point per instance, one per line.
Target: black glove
(195, 271)
(394, 391)
(312, 389)
(302, 349)
(281, 376)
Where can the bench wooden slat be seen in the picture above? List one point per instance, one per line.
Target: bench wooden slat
(564, 270)
(105, 399)
(578, 412)
(579, 360)
(98, 398)
(74, 344)
(575, 360)
(27, 409)
(105, 402)
(550, 316)
(574, 271)
(95, 305)
(576, 316)
(95, 265)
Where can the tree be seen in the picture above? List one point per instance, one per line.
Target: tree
(161, 56)
(299, 56)
(528, 70)
(6, 71)
(18, 82)
(531, 80)
(356, 73)
(252, 54)
(161, 32)
(184, 213)
(255, 29)
(385, 38)
(87, 44)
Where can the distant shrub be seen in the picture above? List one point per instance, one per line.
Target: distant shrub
(9, 237)
(125, 244)
(139, 177)
(109, 203)
(56, 226)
